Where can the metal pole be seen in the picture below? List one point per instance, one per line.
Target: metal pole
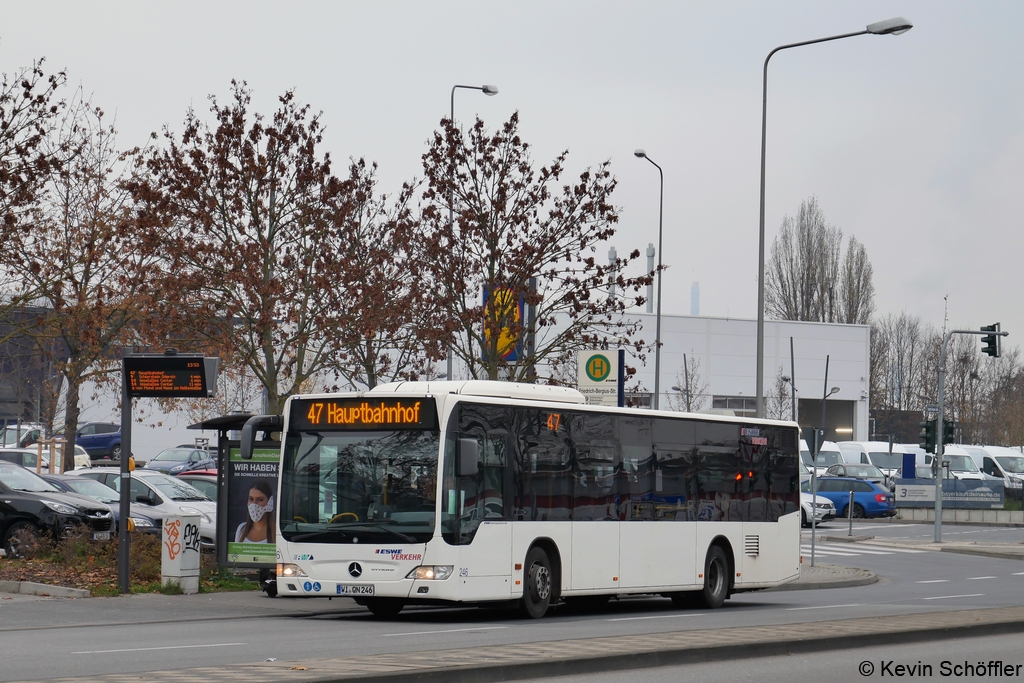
(824, 397)
(657, 333)
(815, 447)
(849, 514)
(760, 238)
(686, 387)
(125, 509)
(792, 380)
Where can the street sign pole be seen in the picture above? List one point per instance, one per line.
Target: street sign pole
(125, 506)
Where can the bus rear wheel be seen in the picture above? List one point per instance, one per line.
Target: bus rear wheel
(716, 579)
(537, 584)
(384, 608)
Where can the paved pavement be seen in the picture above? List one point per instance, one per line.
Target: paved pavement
(548, 657)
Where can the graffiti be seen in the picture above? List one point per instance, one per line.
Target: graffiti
(191, 539)
(172, 532)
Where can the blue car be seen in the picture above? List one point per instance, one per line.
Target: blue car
(869, 499)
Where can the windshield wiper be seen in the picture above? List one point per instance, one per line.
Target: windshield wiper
(398, 534)
(315, 534)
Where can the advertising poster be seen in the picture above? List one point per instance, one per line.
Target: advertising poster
(252, 507)
(956, 494)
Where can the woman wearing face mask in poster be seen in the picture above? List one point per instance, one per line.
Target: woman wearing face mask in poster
(259, 528)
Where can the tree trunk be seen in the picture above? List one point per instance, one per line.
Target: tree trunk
(71, 415)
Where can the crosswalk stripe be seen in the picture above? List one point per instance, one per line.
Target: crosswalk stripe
(894, 549)
(819, 551)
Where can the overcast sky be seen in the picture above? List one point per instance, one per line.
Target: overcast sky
(912, 143)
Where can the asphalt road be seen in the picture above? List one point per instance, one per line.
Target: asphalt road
(911, 581)
(838, 666)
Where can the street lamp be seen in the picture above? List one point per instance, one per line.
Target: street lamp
(895, 26)
(489, 90)
(657, 334)
(792, 396)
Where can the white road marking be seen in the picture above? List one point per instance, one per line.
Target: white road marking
(806, 550)
(451, 630)
(856, 549)
(979, 578)
(797, 609)
(146, 649)
(1018, 573)
(946, 597)
(934, 581)
(658, 616)
(892, 549)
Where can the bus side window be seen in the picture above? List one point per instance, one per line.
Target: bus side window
(542, 468)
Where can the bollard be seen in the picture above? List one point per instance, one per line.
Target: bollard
(180, 552)
(849, 513)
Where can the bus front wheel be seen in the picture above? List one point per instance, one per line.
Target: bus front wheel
(537, 580)
(384, 608)
(716, 578)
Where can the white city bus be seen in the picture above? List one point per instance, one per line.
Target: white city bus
(498, 493)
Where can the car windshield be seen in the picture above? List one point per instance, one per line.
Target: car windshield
(340, 486)
(962, 463)
(864, 471)
(1011, 464)
(20, 479)
(173, 455)
(825, 458)
(93, 489)
(175, 489)
(889, 461)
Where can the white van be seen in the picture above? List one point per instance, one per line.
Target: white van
(876, 453)
(828, 455)
(1000, 462)
(961, 464)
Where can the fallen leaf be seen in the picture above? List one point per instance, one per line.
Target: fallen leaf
(299, 668)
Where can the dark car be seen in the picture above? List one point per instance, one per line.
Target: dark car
(31, 507)
(102, 494)
(175, 460)
(204, 480)
(100, 439)
(869, 499)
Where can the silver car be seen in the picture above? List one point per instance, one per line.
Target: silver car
(822, 509)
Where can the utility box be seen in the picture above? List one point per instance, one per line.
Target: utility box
(180, 552)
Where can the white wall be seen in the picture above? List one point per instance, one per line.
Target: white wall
(727, 352)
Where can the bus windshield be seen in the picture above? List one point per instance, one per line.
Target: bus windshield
(359, 486)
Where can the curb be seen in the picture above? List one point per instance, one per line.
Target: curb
(844, 583)
(32, 588)
(984, 553)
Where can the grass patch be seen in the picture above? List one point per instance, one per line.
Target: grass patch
(77, 561)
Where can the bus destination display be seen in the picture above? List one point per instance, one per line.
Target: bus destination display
(369, 413)
(165, 376)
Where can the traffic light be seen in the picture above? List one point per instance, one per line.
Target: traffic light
(990, 342)
(948, 431)
(927, 438)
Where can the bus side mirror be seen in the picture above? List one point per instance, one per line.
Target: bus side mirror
(467, 458)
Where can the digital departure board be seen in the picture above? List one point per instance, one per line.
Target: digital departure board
(361, 414)
(155, 376)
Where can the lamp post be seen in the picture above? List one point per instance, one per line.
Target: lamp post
(895, 27)
(489, 90)
(657, 333)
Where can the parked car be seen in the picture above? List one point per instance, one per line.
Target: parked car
(100, 439)
(175, 460)
(827, 456)
(875, 453)
(805, 472)
(101, 494)
(31, 507)
(869, 499)
(162, 495)
(999, 462)
(867, 472)
(961, 464)
(26, 457)
(20, 436)
(204, 480)
(925, 472)
(822, 509)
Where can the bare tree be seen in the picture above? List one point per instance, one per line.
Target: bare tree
(807, 278)
(778, 402)
(690, 392)
(899, 364)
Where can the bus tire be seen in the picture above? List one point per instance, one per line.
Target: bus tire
(384, 608)
(716, 578)
(537, 584)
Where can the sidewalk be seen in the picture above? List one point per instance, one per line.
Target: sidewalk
(588, 655)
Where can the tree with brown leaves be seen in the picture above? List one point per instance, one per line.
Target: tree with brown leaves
(514, 225)
(257, 236)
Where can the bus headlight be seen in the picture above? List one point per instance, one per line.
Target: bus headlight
(289, 571)
(437, 572)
